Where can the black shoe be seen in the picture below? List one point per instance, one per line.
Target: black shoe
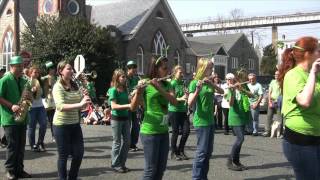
(35, 148)
(176, 156)
(24, 175)
(184, 156)
(226, 133)
(126, 169)
(10, 175)
(247, 133)
(255, 134)
(3, 142)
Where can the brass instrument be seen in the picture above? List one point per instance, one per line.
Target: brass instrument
(24, 103)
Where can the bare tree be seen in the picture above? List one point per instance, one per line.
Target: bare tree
(235, 15)
(221, 20)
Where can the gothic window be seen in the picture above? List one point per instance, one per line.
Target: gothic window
(159, 45)
(140, 60)
(7, 51)
(251, 64)
(9, 12)
(177, 58)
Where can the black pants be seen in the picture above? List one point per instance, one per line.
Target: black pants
(225, 114)
(16, 137)
(135, 128)
(218, 116)
(50, 114)
(179, 120)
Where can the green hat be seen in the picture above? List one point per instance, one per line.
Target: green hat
(49, 64)
(131, 63)
(15, 60)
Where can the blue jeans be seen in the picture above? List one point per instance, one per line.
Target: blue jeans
(37, 115)
(119, 152)
(205, 140)
(255, 119)
(236, 148)
(69, 141)
(305, 160)
(156, 149)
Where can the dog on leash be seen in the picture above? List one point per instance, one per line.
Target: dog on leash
(275, 129)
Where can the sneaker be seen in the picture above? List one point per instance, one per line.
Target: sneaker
(10, 175)
(184, 156)
(134, 149)
(243, 167)
(232, 166)
(118, 170)
(176, 156)
(42, 147)
(255, 134)
(266, 134)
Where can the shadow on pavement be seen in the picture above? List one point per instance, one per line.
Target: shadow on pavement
(271, 165)
(274, 177)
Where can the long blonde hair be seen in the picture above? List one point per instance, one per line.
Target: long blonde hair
(115, 78)
(35, 81)
(175, 70)
(201, 68)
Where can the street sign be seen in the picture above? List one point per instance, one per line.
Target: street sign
(79, 64)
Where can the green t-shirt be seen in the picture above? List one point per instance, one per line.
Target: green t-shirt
(239, 115)
(275, 89)
(91, 90)
(178, 87)
(299, 119)
(10, 90)
(132, 82)
(156, 106)
(120, 98)
(203, 115)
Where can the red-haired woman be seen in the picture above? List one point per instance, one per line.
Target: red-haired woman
(300, 83)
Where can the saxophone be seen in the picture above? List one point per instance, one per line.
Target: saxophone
(24, 103)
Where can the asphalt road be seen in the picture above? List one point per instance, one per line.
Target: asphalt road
(263, 156)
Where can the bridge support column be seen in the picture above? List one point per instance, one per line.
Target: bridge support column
(275, 37)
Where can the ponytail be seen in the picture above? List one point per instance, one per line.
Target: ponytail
(288, 62)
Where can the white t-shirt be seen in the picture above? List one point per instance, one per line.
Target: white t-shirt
(225, 102)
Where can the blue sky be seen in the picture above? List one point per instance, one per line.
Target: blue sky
(204, 10)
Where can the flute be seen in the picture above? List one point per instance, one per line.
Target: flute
(237, 84)
(145, 83)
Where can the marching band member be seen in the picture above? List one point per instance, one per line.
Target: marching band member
(202, 93)
(178, 116)
(300, 82)
(154, 129)
(132, 81)
(37, 112)
(66, 121)
(11, 88)
(239, 116)
(48, 81)
(120, 124)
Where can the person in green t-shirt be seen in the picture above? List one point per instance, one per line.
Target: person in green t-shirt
(119, 101)
(178, 115)
(300, 82)
(132, 82)
(11, 88)
(238, 117)
(202, 91)
(273, 95)
(154, 129)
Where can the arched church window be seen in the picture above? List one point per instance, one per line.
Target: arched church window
(7, 51)
(159, 45)
(140, 60)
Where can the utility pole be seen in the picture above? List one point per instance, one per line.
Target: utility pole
(17, 25)
(252, 39)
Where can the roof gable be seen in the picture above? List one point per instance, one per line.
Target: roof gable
(228, 40)
(205, 49)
